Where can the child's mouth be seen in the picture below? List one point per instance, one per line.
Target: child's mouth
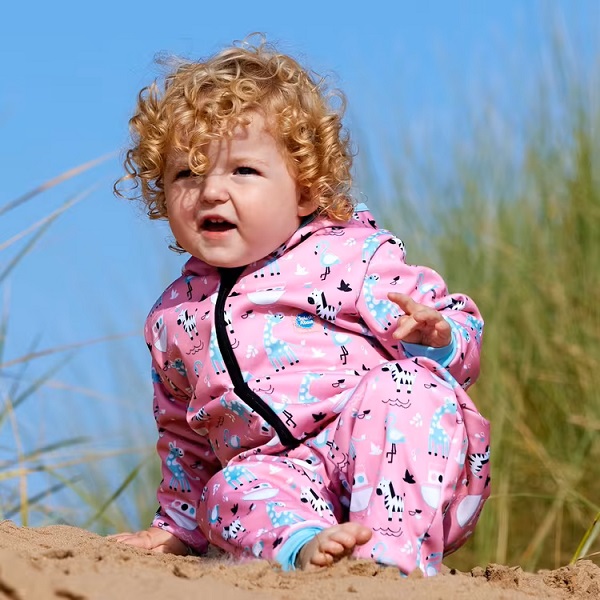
(217, 225)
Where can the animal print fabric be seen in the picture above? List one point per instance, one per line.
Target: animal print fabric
(282, 401)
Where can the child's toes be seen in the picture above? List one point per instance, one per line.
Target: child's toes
(333, 547)
(363, 535)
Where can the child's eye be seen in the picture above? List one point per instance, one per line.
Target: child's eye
(245, 171)
(183, 174)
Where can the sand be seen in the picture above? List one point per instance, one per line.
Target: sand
(69, 563)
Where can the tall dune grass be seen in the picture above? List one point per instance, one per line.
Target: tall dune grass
(33, 471)
(516, 224)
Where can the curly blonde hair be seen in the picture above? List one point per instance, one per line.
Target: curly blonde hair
(206, 100)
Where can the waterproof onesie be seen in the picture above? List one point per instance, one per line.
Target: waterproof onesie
(285, 406)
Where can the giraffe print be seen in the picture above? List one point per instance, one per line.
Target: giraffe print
(277, 350)
(179, 480)
(304, 395)
(371, 244)
(271, 267)
(476, 326)
(216, 358)
(384, 312)
(285, 517)
(439, 442)
(237, 475)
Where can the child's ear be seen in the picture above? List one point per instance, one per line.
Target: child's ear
(307, 205)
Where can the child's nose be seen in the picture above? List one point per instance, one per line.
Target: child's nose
(215, 189)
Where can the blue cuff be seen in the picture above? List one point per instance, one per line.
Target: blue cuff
(442, 356)
(288, 552)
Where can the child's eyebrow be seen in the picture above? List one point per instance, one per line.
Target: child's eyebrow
(248, 158)
(177, 163)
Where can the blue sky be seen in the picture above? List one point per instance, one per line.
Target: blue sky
(70, 75)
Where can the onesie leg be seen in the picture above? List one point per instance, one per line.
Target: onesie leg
(257, 503)
(399, 448)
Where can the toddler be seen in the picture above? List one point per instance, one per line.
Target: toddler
(309, 384)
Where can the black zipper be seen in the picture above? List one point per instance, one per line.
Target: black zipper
(240, 387)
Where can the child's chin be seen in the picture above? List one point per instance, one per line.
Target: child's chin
(225, 263)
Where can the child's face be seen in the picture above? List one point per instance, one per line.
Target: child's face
(243, 208)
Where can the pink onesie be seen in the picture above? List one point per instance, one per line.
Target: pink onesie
(284, 405)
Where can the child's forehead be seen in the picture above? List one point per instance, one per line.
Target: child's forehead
(176, 156)
(220, 126)
(251, 127)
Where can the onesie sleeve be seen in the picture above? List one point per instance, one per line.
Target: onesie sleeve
(187, 463)
(387, 271)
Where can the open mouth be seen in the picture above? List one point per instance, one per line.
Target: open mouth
(216, 225)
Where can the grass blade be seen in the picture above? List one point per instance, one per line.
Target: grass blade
(587, 540)
(33, 500)
(109, 501)
(18, 397)
(47, 220)
(53, 182)
(24, 251)
(43, 451)
(59, 349)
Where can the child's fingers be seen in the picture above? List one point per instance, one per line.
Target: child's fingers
(404, 302)
(154, 539)
(420, 312)
(444, 333)
(132, 539)
(428, 315)
(406, 326)
(420, 323)
(423, 327)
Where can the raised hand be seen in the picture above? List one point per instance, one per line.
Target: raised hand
(420, 324)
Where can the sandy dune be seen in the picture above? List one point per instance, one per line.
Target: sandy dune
(65, 562)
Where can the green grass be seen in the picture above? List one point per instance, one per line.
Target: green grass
(522, 237)
(34, 472)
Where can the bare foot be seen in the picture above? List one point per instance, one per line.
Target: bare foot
(332, 545)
